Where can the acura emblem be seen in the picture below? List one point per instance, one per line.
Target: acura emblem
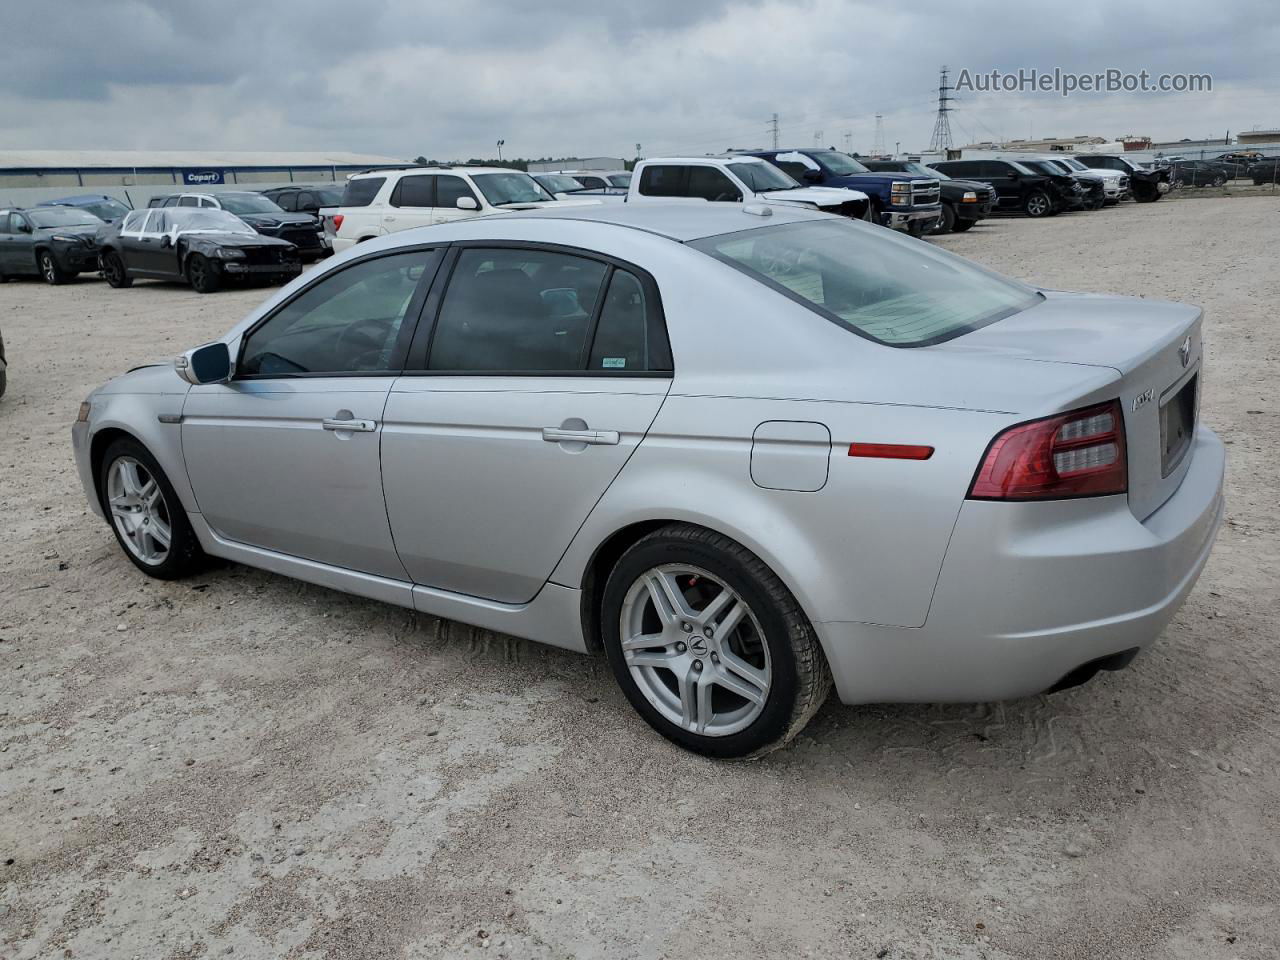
(1184, 351)
(698, 645)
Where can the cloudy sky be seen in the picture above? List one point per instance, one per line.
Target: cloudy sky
(447, 79)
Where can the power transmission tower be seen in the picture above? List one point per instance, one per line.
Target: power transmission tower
(773, 130)
(848, 141)
(941, 140)
(817, 138)
(877, 148)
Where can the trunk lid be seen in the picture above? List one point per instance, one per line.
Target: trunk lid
(1156, 348)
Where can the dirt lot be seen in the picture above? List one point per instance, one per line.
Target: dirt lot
(244, 765)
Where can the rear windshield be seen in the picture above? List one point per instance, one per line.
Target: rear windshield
(894, 290)
(360, 193)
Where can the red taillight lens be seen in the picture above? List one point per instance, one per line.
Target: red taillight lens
(1077, 454)
(337, 221)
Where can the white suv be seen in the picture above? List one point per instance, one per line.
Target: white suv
(379, 202)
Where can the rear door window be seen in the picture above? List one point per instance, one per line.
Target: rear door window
(360, 192)
(416, 191)
(516, 311)
(665, 180)
(629, 336)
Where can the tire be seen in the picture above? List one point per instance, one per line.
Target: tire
(1219, 181)
(113, 269)
(962, 225)
(50, 272)
(4, 381)
(202, 274)
(771, 642)
(141, 509)
(1145, 192)
(1038, 204)
(947, 222)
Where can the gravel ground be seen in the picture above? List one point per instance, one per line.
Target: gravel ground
(249, 766)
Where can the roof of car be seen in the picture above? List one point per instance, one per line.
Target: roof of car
(431, 168)
(678, 221)
(725, 158)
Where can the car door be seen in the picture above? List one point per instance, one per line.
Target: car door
(15, 245)
(285, 455)
(411, 204)
(449, 190)
(154, 254)
(541, 373)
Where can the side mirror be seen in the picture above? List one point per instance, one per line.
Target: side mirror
(813, 176)
(468, 203)
(166, 240)
(210, 363)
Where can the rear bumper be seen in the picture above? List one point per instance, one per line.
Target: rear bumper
(340, 244)
(1028, 592)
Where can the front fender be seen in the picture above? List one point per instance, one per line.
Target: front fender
(138, 416)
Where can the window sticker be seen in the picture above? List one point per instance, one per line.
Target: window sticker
(615, 363)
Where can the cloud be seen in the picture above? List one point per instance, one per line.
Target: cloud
(447, 80)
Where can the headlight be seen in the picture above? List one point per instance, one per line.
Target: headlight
(83, 415)
(900, 192)
(230, 253)
(969, 197)
(66, 239)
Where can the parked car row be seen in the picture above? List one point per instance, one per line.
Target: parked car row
(240, 235)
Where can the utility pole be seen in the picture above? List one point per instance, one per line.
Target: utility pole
(877, 148)
(848, 141)
(773, 130)
(940, 142)
(500, 143)
(817, 138)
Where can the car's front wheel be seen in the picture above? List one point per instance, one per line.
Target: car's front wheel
(947, 222)
(709, 645)
(202, 274)
(50, 270)
(146, 514)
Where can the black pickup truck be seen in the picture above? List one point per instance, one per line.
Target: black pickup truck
(964, 202)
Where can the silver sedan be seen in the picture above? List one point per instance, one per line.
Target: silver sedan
(746, 451)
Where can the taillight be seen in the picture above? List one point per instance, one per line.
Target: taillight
(337, 222)
(1076, 454)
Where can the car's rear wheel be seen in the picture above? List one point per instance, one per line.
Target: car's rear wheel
(202, 274)
(709, 646)
(1038, 204)
(113, 269)
(49, 269)
(146, 514)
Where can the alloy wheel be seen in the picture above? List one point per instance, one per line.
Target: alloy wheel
(1037, 205)
(139, 511)
(695, 650)
(48, 269)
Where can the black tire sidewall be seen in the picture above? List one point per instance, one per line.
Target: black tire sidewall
(185, 553)
(54, 275)
(209, 271)
(122, 278)
(775, 720)
(1048, 204)
(947, 222)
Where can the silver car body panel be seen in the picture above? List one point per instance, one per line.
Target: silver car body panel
(915, 591)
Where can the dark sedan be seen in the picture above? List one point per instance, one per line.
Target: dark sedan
(202, 247)
(262, 214)
(55, 243)
(1198, 173)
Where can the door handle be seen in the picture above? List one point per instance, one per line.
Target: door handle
(560, 435)
(355, 426)
(388, 219)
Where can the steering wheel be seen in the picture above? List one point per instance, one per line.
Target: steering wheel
(366, 342)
